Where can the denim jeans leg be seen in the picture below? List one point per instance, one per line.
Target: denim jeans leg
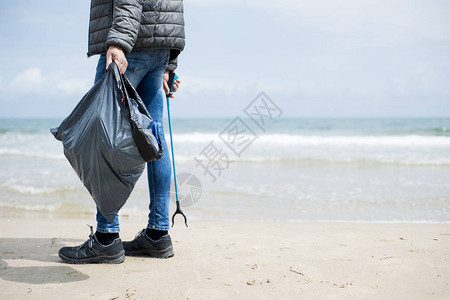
(103, 225)
(159, 172)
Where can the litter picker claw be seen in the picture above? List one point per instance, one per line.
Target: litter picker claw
(172, 78)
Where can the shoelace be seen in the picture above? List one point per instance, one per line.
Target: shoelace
(139, 233)
(90, 241)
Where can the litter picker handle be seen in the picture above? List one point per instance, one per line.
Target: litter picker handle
(178, 211)
(172, 77)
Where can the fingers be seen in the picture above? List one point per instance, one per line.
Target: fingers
(122, 64)
(175, 87)
(166, 88)
(108, 59)
(117, 55)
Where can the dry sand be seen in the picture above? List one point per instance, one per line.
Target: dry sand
(239, 260)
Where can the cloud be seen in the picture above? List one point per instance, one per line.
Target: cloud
(397, 22)
(29, 81)
(351, 48)
(227, 86)
(32, 82)
(73, 86)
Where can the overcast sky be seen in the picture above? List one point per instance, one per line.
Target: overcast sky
(314, 58)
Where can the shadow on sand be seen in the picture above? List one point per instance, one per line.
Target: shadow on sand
(27, 258)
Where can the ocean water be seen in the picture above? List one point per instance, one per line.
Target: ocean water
(374, 170)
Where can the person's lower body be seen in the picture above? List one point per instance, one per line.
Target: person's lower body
(145, 71)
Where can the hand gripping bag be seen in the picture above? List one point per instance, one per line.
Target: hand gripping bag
(107, 139)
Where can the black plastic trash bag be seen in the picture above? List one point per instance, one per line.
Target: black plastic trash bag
(107, 139)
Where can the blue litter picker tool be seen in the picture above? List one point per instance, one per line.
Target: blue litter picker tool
(172, 78)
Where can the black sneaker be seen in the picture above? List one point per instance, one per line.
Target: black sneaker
(143, 245)
(92, 251)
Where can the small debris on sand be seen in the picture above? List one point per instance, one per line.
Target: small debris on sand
(295, 271)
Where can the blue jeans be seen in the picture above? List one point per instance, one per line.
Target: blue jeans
(145, 71)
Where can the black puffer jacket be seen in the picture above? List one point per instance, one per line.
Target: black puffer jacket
(133, 24)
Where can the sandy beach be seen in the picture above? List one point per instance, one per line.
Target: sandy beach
(239, 260)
